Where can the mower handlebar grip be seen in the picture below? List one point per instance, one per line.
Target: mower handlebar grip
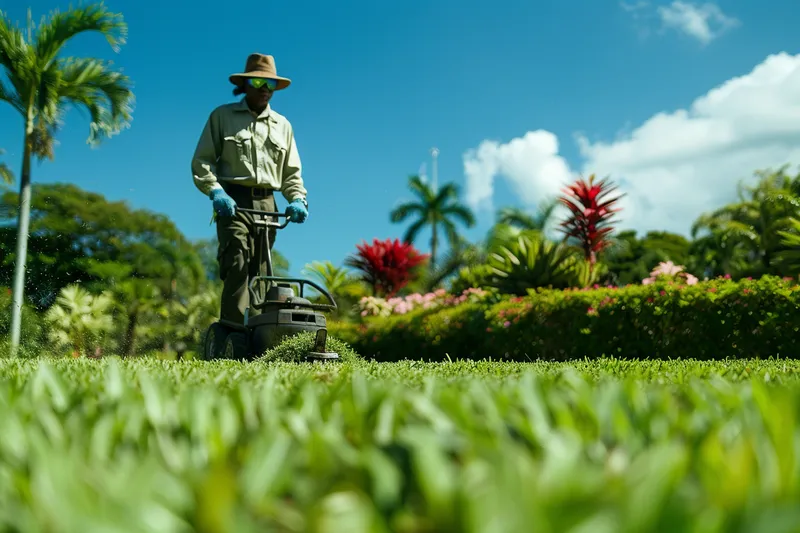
(267, 214)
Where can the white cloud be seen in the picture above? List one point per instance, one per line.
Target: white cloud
(674, 166)
(530, 163)
(703, 22)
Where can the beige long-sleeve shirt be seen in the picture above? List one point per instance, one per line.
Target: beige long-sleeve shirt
(237, 146)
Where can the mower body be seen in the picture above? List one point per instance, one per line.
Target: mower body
(278, 321)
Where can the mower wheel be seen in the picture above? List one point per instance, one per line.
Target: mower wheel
(236, 346)
(214, 341)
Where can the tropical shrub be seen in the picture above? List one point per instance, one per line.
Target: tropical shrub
(475, 276)
(374, 306)
(715, 319)
(669, 271)
(590, 222)
(387, 265)
(529, 261)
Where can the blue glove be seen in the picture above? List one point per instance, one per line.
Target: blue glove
(223, 204)
(297, 211)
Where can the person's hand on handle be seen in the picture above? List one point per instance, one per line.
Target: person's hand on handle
(224, 205)
(297, 211)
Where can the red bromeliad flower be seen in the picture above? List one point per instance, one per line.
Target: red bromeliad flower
(591, 214)
(387, 265)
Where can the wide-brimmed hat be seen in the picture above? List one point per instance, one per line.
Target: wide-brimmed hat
(260, 66)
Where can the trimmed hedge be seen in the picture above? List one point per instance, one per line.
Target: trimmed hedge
(716, 319)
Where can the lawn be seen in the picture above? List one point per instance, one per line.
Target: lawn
(605, 446)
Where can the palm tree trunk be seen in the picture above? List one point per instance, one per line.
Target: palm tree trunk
(434, 239)
(22, 236)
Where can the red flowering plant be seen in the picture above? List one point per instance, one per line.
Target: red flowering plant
(591, 214)
(387, 266)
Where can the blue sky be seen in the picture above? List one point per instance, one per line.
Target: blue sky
(376, 85)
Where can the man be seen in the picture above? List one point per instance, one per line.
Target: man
(246, 152)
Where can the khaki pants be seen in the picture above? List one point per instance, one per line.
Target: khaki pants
(240, 242)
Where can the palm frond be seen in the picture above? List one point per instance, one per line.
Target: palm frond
(514, 216)
(403, 211)
(6, 175)
(15, 54)
(461, 212)
(11, 97)
(413, 230)
(422, 190)
(54, 32)
(90, 83)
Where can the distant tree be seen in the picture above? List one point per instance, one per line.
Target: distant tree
(41, 86)
(435, 209)
(520, 218)
(630, 259)
(79, 237)
(744, 238)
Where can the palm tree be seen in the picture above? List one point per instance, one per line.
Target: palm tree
(434, 209)
(42, 84)
(752, 227)
(6, 176)
(341, 284)
(519, 218)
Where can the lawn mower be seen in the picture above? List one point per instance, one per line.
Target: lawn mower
(282, 314)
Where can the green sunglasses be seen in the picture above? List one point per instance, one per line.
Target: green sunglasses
(257, 83)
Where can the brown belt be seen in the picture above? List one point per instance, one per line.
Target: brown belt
(244, 190)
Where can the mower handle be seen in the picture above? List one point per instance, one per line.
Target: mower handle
(266, 214)
(260, 305)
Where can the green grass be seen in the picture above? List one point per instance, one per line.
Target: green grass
(595, 447)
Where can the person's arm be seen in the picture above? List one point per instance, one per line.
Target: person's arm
(292, 186)
(206, 153)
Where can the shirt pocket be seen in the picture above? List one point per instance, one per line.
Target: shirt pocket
(276, 149)
(236, 149)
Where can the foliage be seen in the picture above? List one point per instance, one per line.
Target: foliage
(475, 276)
(669, 271)
(374, 306)
(709, 320)
(530, 261)
(342, 285)
(591, 214)
(630, 258)
(744, 238)
(789, 257)
(410, 447)
(78, 319)
(433, 208)
(386, 265)
(6, 175)
(43, 84)
(519, 218)
(80, 236)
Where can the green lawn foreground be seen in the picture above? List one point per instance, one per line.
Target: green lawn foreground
(604, 446)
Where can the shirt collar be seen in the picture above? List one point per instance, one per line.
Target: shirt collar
(242, 106)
